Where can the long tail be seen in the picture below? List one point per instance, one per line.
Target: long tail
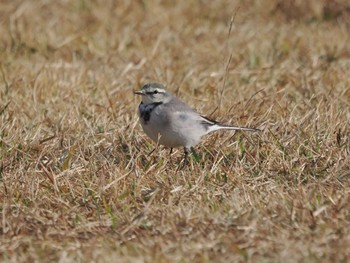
(215, 126)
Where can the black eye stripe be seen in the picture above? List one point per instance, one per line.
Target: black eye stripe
(154, 92)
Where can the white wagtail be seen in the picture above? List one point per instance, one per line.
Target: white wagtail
(171, 122)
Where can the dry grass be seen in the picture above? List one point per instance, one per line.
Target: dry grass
(76, 181)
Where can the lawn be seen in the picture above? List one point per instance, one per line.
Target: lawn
(78, 181)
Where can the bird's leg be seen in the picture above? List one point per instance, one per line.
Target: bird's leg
(152, 151)
(186, 152)
(185, 159)
(195, 154)
(171, 151)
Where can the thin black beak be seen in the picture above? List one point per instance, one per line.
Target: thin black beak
(139, 92)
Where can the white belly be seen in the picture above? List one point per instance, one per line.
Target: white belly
(164, 130)
(164, 135)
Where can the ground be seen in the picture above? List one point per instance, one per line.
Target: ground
(77, 180)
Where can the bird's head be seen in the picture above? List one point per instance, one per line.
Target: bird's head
(153, 93)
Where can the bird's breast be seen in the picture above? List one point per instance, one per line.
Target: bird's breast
(146, 110)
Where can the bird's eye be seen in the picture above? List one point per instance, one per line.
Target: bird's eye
(155, 92)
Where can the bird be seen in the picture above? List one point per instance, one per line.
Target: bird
(171, 122)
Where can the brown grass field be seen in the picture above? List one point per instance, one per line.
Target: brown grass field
(77, 182)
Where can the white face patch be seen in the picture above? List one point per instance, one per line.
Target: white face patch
(155, 95)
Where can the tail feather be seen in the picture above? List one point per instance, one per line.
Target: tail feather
(215, 126)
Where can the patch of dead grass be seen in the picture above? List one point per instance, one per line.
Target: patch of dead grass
(76, 181)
